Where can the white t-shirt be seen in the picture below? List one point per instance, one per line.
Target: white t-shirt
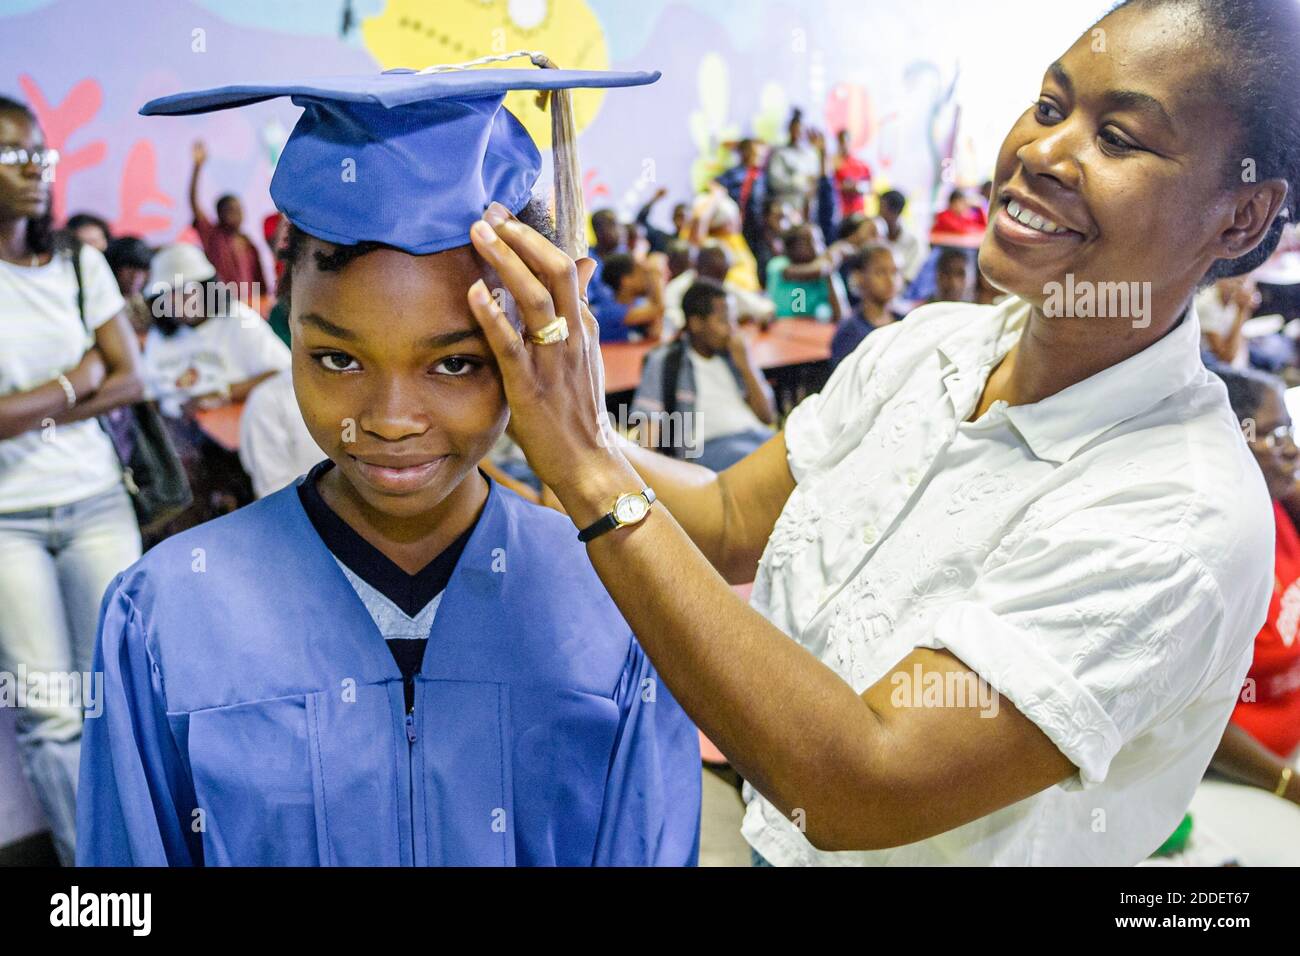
(274, 444)
(1103, 558)
(42, 336)
(1217, 316)
(198, 360)
(720, 407)
(909, 248)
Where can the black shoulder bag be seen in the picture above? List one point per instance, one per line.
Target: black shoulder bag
(151, 469)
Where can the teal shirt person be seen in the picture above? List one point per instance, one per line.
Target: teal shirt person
(808, 299)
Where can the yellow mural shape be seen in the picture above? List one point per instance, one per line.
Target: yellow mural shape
(420, 33)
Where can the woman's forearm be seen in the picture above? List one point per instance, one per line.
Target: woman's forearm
(728, 515)
(690, 492)
(120, 388)
(713, 651)
(1244, 759)
(20, 412)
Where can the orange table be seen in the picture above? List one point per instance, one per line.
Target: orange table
(786, 343)
(960, 240)
(222, 424)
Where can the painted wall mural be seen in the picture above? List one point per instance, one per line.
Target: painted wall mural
(926, 90)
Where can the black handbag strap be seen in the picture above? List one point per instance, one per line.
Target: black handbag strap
(672, 373)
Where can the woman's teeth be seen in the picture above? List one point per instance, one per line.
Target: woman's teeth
(1032, 219)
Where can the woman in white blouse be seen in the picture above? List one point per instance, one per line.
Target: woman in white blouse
(66, 522)
(1011, 560)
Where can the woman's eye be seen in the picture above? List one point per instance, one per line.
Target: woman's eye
(1117, 144)
(455, 365)
(1046, 112)
(336, 361)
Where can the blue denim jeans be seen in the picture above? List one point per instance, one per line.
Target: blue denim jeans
(55, 564)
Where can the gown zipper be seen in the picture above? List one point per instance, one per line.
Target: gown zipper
(410, 768)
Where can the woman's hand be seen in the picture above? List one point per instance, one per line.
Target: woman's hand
(556, 392)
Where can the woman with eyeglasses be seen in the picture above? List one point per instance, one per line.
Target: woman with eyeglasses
(66, 521)
(1261, 745)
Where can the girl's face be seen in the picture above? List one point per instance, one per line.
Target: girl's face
(24, 190)
(392, 374)
(1125, 150)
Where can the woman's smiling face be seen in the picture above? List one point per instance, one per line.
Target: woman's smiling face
(392, 374)
(1125, 156)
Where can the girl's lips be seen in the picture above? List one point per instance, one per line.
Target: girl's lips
(1007, 227)
(398, 480)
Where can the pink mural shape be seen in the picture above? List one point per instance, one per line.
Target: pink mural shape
(59, 123)
(850, 106)
(591, 187)
(140, 186)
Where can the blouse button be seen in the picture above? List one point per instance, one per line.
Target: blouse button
(869, 534)
(912, 479)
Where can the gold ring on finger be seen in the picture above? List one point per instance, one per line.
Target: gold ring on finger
(557, 330)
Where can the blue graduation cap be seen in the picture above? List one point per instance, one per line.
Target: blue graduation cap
(412, 158)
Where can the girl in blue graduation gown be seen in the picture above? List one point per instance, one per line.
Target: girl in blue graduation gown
(253, 713)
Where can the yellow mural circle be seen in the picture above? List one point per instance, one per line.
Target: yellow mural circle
(417, 34)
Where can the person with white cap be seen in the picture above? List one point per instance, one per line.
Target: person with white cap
(205, 347)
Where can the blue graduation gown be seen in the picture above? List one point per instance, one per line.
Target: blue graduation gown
(254, 716)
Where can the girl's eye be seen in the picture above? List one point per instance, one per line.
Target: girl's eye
(455, 365)
(336, 361)
(1046, 112)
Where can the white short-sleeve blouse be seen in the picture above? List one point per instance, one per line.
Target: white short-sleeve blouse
(1103, 558)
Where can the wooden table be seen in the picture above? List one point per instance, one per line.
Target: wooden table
(787, 344)
(957, 240)
(222, 424)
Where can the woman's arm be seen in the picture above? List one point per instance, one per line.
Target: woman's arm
(727, 515)
(107, 376)
(122, 384)
(853, 771)
(20, 412)
(1244, 759)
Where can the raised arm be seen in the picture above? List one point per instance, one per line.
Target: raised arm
(200, 157)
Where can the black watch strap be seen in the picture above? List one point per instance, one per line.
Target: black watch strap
(597, 528)
(610, 520)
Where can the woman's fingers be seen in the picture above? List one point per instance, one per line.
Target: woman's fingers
(547, 262)
(536, 307)
(502, 338)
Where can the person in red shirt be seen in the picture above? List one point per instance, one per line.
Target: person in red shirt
(231, 252)
(962, 217)
(1262, 740)
(852, 178)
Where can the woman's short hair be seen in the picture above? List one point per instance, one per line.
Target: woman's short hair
(1257, 76)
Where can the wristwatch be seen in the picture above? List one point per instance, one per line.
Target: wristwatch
(628, 509)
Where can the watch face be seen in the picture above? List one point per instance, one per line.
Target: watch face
(630, 508)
